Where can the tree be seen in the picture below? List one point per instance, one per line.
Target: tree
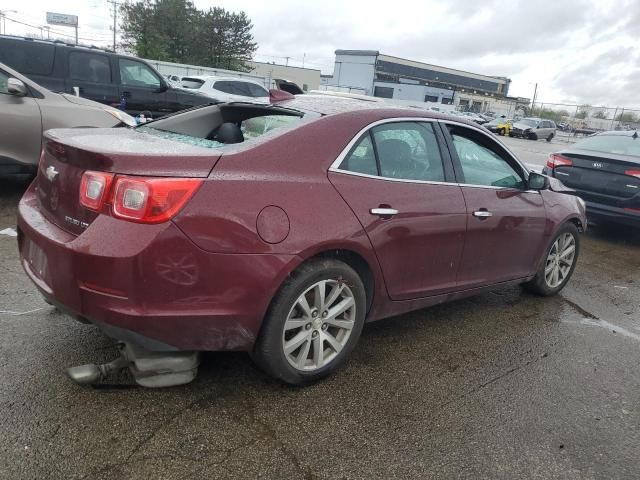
(176, 31)
(600, 114)
(583, 111)
(627, 117)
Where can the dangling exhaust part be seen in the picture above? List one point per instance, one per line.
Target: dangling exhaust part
(149, 369)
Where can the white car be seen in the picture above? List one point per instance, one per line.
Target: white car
(227, 89)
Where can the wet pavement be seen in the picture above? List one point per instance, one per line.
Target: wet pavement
(503, 385)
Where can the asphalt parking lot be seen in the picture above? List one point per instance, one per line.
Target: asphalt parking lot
(504, 385)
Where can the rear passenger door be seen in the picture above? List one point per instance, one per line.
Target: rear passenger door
(91, 74)
(400, 185)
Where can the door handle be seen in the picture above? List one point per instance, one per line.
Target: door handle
(384, 212)
(482, 213)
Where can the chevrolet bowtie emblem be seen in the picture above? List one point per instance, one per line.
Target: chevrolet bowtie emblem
(51, 173)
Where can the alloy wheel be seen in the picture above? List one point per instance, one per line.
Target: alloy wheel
(560, 260)
(318, 325)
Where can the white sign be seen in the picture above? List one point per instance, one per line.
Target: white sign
(62, 19)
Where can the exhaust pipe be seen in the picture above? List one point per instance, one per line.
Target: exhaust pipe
(149, 369)
(92, 373)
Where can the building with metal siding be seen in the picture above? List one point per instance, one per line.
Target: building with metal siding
(387, 76)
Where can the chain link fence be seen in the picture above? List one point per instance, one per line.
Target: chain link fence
(575, 120)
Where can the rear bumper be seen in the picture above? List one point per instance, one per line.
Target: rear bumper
(603, 211)
(149, 284)
(613, 214)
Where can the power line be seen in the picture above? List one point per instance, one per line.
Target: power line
(56, 32)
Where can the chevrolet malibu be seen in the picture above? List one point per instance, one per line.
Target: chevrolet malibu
(282, 229)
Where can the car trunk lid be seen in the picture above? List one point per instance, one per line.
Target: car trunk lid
(68, 153)
(600, 179)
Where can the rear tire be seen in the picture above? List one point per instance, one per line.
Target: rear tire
(550, 137)
(300, 320)
(555, 271)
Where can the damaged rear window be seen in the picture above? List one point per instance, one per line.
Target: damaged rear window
(237, 132)
(180, 137)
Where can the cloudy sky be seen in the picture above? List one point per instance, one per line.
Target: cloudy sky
(578, 51)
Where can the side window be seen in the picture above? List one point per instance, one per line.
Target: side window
(137, 74)
(361, 158)
(231, 87)
(4, 83)
(89, 67)
(256, 90)
(482, 165)
(408, 151)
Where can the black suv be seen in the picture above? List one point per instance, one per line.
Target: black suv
(100, 75)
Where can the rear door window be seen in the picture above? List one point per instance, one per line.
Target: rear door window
(28, 58)
(89, 67)
(232, 87)
(398, 150)
(137, 74)
(361, 158)
(256, 91)
(408, 151)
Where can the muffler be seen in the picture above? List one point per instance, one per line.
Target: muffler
(149, 369)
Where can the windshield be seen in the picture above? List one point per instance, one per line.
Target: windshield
(193, 83)
(615, 144)
(529, 122)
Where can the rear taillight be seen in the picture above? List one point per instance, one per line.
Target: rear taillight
(633, 173)
(151, 200)
(557, 160)
(94, 189)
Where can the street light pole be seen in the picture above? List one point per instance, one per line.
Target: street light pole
(3, 17)
(535, 94)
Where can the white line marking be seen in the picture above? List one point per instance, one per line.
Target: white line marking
(9, 232)
(9, 312)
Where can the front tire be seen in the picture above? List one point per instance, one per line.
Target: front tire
(313, 323)
(559, 262)
(532, 136)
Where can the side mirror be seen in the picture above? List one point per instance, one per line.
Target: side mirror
(16, 87)
(537, 181)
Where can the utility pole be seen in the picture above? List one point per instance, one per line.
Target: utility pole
(3, 17)
(304, 56)
(535, 94)
(115, 4)
(48, 29)
(287, 60)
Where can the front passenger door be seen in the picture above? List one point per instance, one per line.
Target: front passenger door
(505, 221)
(142, 88)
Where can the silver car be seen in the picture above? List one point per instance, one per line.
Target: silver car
(534, 129)
(27, 110)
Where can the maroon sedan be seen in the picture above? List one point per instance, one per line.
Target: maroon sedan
(281, 229)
